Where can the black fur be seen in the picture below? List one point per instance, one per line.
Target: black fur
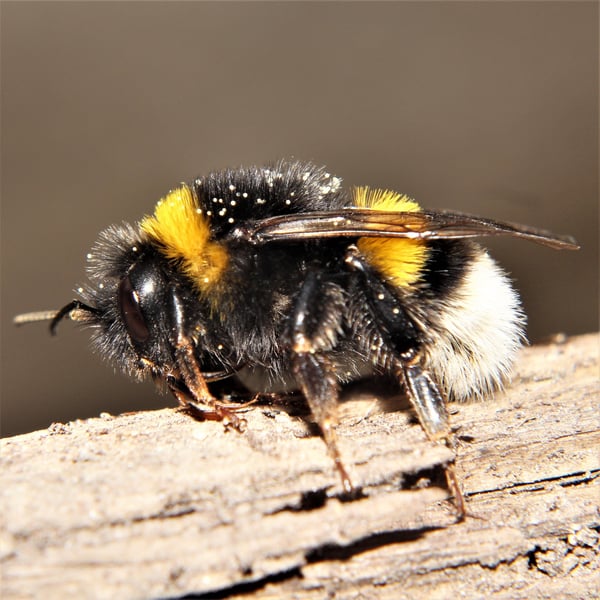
(260, 289)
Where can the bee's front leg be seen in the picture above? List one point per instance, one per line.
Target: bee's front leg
(193, 394)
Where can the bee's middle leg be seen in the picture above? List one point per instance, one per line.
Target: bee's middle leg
(316, 324)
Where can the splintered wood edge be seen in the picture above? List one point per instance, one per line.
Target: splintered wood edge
(155, 504)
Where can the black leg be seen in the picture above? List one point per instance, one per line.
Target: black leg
(202, 404)
(189, 385)
(391, 329)
(430, 406)
(316, 323)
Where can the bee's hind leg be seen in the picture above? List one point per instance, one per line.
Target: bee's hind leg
(316, 323)
(430, 406)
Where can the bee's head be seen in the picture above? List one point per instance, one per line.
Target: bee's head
(131, 303)
(151, 292)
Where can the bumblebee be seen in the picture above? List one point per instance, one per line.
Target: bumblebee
(278, 275)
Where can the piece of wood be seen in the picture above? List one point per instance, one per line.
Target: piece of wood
(156, 504)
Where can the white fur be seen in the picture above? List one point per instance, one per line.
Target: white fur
(477, 333)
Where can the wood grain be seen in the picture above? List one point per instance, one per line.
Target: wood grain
(157, 505)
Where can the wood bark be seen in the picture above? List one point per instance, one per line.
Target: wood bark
(157, 505)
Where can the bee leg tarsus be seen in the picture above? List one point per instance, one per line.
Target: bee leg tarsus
(202, 404)
(319, 385)
(317, 380)
(430, 406)
(227, 416)
(231, 420)
(316, 322)
(455, 488)
(330, 437)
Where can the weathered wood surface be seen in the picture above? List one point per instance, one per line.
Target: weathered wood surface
(157, 505)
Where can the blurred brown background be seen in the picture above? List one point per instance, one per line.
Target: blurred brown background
(489, 108)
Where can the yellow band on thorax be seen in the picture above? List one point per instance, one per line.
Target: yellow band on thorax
(183, 234)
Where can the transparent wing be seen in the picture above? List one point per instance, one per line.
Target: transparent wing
(365, 222)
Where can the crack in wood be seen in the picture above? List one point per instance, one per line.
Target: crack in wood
(154, 504)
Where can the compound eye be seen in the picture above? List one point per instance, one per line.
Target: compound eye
(131, 313)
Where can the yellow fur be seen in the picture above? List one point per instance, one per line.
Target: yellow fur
(184, 235)
(400, 260)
